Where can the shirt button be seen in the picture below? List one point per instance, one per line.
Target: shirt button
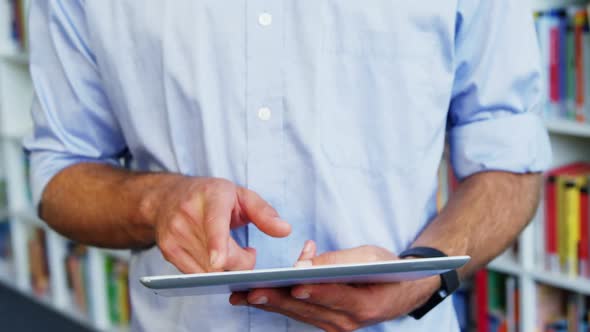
(264, 113)
(265, 19)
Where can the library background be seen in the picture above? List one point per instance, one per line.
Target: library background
(541, 284)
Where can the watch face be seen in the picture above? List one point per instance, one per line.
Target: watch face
(443, 293)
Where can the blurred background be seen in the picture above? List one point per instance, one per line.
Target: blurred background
(541, 284)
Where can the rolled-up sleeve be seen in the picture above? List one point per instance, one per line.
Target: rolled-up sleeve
(494, 119)
(73, 119)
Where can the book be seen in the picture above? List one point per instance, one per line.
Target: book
(512, 318)
(481, 297)
(584, 243)
(75, 263)
(580, 64)
(117, 288)
(552, 257)
(549, 306)
(38, 262)
(570, 235)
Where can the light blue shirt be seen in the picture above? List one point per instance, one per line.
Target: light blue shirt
(333, 110)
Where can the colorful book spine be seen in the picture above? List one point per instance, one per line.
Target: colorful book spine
(481, 297)
(585, 70)
(552, 257)
(570, 64)
(584, 244)
(571, 228)
(564, 43)
(554, 60)
(580, 25)
(562, 63)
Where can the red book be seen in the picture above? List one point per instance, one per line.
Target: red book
(552, 258)
(583, 244)
(481, 300)
(554, 64)
(570, 169)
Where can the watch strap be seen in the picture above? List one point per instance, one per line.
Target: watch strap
(449, 280)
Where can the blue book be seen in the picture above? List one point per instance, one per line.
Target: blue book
(562, 63)
(461, 303)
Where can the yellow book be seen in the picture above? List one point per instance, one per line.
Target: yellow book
(571, 227)
(123, 286)
(568, 220)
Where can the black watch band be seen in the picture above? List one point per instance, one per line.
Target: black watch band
(449, 280)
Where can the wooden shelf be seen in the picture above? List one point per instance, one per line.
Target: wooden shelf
(568, 128)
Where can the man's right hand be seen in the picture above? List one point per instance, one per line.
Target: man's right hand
(192, 218)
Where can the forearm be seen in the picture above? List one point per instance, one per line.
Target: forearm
(102, 205)
(483, 217)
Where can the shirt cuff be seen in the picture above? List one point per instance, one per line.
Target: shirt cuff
(45, 165)
(516, 143)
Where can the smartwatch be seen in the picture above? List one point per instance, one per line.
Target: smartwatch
(449, 280)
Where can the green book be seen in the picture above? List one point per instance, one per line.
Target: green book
(496, 293)
(113, 302)
(571, 71)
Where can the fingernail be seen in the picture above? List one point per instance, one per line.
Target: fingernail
(213, 257)
(260, 300)
(302, 296)
(307, 247)
(304, 263)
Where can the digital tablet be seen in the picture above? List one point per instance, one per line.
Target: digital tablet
(235, 281)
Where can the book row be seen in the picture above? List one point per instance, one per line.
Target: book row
(566, 228)
(117, 272)
(564, 40)
(76, 266)
(492, 304)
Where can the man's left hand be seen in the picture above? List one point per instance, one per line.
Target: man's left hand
(342, 307)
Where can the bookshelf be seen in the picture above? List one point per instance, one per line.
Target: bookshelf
(570, 142)
(55, 287)
(15, 99)
(568, 128)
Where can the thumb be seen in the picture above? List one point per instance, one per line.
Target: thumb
(261, 214)
(239, 258)
(307, 253)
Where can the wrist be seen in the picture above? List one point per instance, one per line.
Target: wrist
(153, 190)
(448, 281)
(419, 291)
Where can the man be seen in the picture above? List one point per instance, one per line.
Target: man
(252, 126)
